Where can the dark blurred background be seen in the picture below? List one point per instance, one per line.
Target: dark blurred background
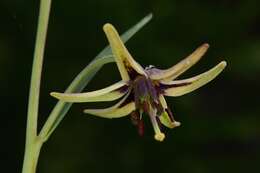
(220, 122)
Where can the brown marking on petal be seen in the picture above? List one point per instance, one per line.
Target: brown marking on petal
(123, 89)
(130, 70)
(126, 63)
(163, 87)
(129, 99)
(156, 83)
(132, 73)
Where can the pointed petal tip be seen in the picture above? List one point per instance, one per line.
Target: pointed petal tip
(174, 124)
(221, 66)
(203, 48)
(55, 95)
(85, 111)
(150, 15)
(176, 70)
(159, 137)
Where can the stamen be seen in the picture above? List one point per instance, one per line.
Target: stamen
(136, 119)
(146, 107)
(141, 127)
(159, 136)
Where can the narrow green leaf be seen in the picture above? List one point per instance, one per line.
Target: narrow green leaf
(83, 78)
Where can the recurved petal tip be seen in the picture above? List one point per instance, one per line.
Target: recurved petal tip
(176, 70)
(159, 137)
(55, 95)
(59, 96)
(176, 124)
(109, 93)
(181, 87)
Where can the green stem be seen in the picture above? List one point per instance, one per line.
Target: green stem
(33, 144)
(31, 157)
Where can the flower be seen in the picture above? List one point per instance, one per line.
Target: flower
(143, 89)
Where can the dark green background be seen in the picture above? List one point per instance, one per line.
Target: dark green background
(220, 122)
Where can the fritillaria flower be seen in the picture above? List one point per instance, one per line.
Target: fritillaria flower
(142, 90)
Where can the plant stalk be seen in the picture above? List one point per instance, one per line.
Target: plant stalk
(33, 143)
(31, 157)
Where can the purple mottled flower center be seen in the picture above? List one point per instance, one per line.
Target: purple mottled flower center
(146, 94)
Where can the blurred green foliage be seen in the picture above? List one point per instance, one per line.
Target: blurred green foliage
(220, 122)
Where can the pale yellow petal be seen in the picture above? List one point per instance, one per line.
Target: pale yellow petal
(113, 112)
(123, 58)
(110, 93)
(118, 110)
(182, 66)
(158, 135)
(181, 87)
(167, 122)
(165, 118)
(163, 101)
